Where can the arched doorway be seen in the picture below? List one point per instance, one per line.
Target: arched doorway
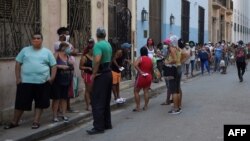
(120, 30)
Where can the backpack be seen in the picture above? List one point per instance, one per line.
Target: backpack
(240, 55)
(204, 55)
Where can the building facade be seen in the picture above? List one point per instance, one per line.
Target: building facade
(142, 25)
(220, 20)
(241, 21)
(188, 19)
(20, 19)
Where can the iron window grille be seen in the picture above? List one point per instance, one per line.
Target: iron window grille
(19, 19)
(79, 22)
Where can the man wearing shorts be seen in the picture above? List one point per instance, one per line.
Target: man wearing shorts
(33, 67)
(116, 67)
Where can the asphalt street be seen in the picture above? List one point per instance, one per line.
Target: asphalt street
(209, 102)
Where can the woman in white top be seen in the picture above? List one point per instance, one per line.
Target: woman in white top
(151, 48)
(192, 56)
(151, 54)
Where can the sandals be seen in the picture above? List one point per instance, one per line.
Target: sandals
(165, 103)
(144, 109)
(35, 125)
(10, 125)
(135, 110)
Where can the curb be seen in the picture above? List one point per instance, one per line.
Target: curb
(76, 119)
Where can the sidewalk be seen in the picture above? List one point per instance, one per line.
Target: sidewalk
(24, 132)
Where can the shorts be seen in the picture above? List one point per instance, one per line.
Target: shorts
(116, 77)
(87, 78)
(59, 91)
(27, 92)
(143, 81)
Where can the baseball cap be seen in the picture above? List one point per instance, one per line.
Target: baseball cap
(167, 41)
(126, 45)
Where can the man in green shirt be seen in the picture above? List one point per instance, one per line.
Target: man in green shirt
(102, 84)
(33, 67)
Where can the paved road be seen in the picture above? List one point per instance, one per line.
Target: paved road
(209, 103)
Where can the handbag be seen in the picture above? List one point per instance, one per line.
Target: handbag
(63, 77)
(222, 63)
(73, 88)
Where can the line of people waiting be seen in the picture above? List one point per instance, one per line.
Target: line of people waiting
(37, 70)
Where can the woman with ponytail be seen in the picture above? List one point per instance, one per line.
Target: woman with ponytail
(86, 68)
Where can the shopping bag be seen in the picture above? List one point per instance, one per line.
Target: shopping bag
(222, 63)
(73, 88)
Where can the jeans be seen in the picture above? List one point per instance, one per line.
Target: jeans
(217, 64)
(192, 66)
(203, 64)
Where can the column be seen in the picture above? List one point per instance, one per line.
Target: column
(99, 15)
(52, 18)
(64, 13)
(132, 8)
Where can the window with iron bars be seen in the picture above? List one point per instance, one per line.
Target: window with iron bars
(79, 22)
(19, 19)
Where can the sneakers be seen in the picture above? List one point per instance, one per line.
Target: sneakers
(123, 100)
(241, 79)
(65, 119)
(55, 120)
(175, 112)
(120, 100)
(35, 125)
(180, 109)
(72, 111)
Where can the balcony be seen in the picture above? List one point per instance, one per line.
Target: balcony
(229, 12)
(214, 19)
(219, 4)
(216, 4)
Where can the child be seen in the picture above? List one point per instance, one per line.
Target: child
(223, 66)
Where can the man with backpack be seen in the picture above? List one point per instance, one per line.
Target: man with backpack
(240, 54)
